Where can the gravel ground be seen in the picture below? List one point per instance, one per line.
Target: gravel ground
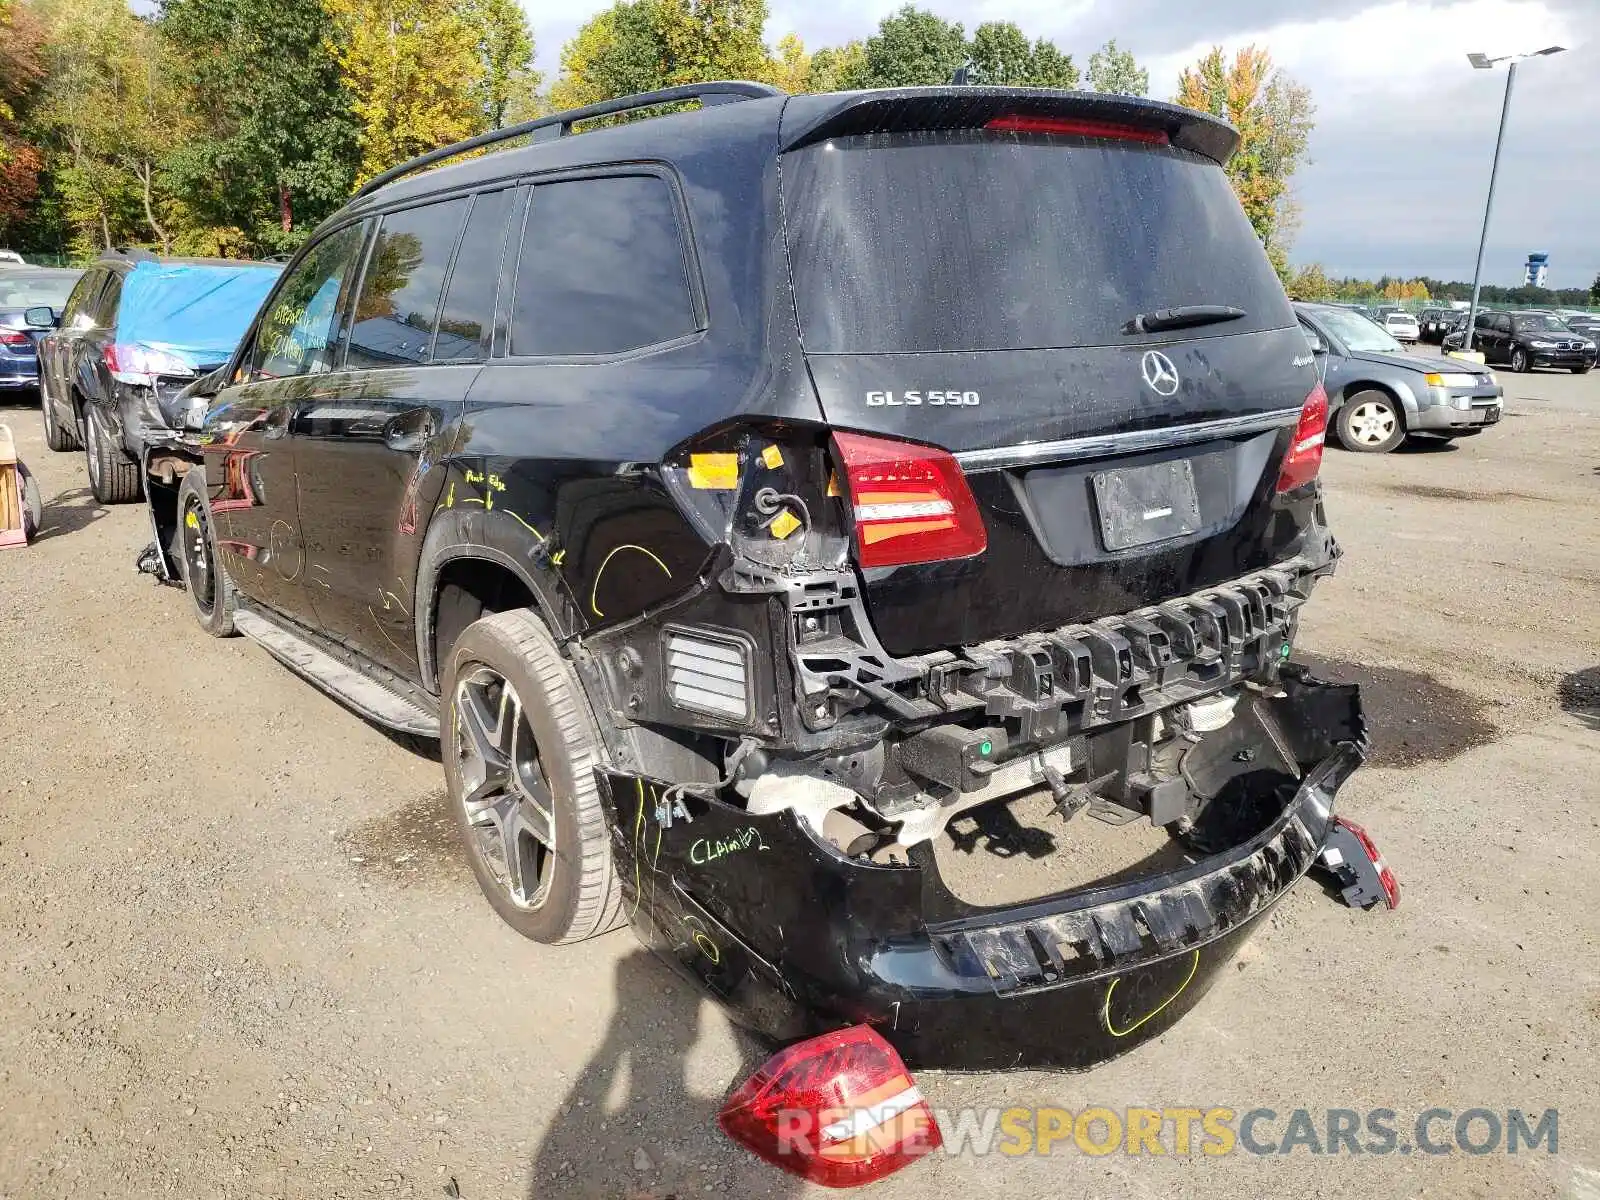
(244, 958)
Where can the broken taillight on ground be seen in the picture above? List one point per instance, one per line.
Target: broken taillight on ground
(840, 1110)
(1352, 857)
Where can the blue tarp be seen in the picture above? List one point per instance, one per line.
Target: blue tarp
(193, 310)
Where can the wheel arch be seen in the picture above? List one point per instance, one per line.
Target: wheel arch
(1400, 393)
(494, 559)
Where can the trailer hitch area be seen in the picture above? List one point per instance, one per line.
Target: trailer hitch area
(1351, 859)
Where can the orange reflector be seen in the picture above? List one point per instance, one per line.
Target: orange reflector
(714, 472)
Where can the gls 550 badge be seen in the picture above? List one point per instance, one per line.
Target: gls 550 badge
(918, 399)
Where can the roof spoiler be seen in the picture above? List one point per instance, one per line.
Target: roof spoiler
(906, 109)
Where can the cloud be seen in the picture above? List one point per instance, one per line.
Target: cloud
(1405, 128)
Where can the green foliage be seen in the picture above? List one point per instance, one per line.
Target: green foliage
(831, 66)
(912, 47)
(21, 70)
(508, 83)
(1594, 290)
(1116, 71)
(1003, 56)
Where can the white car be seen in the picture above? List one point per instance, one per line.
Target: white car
(10, 258)
(1402, 326)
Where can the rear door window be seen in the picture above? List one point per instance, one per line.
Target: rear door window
(468, 310)
(81, 302)
(603, 269)
(299, 335)
(399, 302)
(974, 240)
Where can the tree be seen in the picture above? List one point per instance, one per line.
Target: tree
(911, 47)
(413, 69)
(831, 66)
(1310, 283)
(1273, 115)
(21, 69)
(505, 59)
(1116, 71)
(1594, 290)
(1003, 56)
(639, 45)
(790, 67)
(274, 144)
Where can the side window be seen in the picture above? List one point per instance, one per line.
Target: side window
(105, 312)
(80, 305)
(469, 301)
(399, 299)
(1502, 323)
(299, 335)
(601, 269)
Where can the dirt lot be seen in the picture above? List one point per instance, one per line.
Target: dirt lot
(242, 956)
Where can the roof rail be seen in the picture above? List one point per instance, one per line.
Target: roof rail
(560, 124)
(131, 253)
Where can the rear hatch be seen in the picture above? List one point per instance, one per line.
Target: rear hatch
(975, 286)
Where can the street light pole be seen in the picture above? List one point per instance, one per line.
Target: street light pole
(1488, 207)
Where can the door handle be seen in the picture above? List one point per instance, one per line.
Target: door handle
(408, 432)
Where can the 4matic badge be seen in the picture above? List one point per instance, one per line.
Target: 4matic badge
(916, 399)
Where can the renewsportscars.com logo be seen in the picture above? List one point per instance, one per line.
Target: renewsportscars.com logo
(1215, 1131)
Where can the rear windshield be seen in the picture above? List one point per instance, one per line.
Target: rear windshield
(966, 240)
(23, 289)
(196, 308)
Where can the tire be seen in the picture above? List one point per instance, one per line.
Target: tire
(1519, 360)
(211, 593)
(505, 671)
(55, 437)
(1370, 422)
(113, 476)
(32, 503)
(1583, 370)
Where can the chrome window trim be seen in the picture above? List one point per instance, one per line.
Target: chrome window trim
(1131, 442)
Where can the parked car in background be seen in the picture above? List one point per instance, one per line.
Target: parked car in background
(1378, 394)
(22, 289)
(1402, 326)
(10, 258)
(1585, 324)
(1525, 340)
(136, 330)
(1432, 324)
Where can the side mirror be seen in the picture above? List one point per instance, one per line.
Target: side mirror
(40, 317)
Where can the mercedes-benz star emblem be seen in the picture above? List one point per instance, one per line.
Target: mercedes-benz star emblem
(1159, 373)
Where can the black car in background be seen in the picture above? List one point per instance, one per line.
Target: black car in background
(1525, 340)
(1432, 323)
(135, 331)
(737, 534)
(1585, 325)
(21, 289)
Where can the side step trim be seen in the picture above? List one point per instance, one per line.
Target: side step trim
(360, 691)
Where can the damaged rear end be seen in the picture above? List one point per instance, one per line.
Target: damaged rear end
(1036, 570)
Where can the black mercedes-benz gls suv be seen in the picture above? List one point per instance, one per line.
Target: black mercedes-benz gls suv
(753, 496)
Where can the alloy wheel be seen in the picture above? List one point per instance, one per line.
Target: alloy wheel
(504, 790)
(1519, 361)
(1372, 422)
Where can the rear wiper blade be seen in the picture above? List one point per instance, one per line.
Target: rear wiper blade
(1184, 316)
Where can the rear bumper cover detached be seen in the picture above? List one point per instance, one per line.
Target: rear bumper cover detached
(796, 939)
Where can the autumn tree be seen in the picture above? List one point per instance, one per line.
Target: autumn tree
(1002, 55)
(1117, 72)
(789, 67)
(1310, 283)
(1273, 115)
(640, 45)
(912, 47)
(413, 69)
(21, 69)
(832, 65)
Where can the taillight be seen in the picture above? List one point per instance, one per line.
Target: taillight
(840, 1110)
(13, 337)
(136, 364)
(1386, 879)
(911, 503)
(1304, 460)
(1017, 123)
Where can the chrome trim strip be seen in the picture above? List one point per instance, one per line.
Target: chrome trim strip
(1131, 442)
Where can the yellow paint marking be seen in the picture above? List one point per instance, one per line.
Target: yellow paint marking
(594, 591)
(1105, 1010)
(524, 524)
(192, 520)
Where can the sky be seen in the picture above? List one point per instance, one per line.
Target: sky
(1405, 133)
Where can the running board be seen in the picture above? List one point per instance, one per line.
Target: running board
(361, 692)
